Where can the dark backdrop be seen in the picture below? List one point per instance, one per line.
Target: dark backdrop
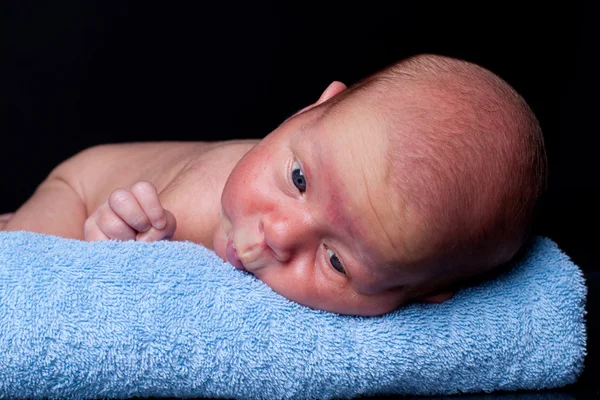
(76, 74)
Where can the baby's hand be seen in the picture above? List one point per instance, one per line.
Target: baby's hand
(4, 218)
(134, 214)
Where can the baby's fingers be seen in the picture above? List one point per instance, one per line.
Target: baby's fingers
(104, 224)
(154, 234)
(125, 205)
(92, 232)
(147, 197)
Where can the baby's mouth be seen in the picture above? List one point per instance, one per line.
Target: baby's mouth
(232, 257)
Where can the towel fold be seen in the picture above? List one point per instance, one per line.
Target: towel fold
(131, 319)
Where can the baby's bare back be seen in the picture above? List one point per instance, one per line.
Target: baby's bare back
(189, 178)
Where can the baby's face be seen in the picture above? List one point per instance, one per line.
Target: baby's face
(308, 211)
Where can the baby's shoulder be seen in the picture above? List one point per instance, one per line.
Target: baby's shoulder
(100, 169)
(227, 152)
(211, 166)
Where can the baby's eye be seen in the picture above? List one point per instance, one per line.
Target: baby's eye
(335, 262)
(298, 177)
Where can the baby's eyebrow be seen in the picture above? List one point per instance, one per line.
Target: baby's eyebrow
(325, 183)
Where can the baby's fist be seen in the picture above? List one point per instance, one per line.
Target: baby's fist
(134, 214)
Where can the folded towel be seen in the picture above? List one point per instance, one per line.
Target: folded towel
(123, 319)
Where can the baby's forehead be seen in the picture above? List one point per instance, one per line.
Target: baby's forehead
(355, 197)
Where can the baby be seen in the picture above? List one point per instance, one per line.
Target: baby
(397, 189)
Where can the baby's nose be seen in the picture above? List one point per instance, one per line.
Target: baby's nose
(285, 235)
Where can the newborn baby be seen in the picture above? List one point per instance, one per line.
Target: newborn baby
(397, 189)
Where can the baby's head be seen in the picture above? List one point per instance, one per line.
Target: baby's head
(400, 188)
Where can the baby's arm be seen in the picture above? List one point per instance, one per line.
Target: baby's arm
(80, 186)
(55, 208)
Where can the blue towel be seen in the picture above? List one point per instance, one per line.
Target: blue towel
(124, 319)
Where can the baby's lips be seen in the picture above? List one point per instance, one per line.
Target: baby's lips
(232, 256)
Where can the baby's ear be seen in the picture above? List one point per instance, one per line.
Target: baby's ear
(333, 89)
(437, 298)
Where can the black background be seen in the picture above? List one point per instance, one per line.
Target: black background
(77, 74)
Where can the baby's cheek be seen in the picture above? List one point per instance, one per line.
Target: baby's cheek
(236, 196)
(294, 282)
